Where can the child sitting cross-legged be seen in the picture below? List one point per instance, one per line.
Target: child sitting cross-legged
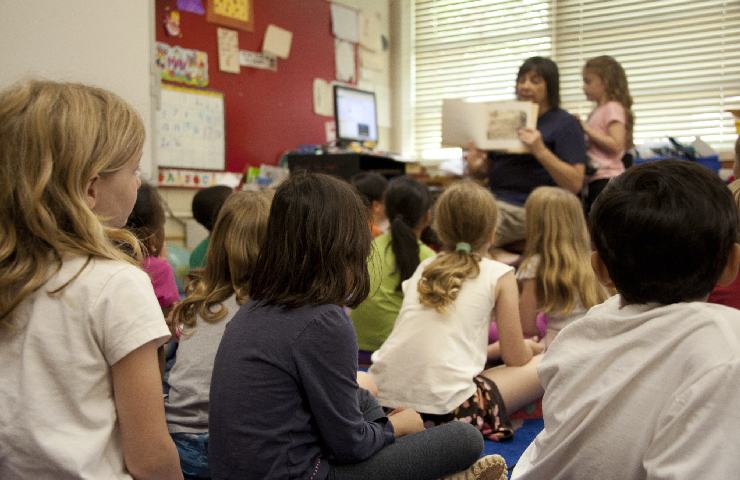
(647, 384)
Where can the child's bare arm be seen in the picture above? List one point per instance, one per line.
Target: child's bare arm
(148, 450)
(514, 351)
(528, 307)
(613, 141)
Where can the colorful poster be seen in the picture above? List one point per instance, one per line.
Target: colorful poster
(192, 6)
(231, 13)
(182, 65)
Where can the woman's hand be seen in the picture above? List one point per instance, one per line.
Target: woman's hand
(532, 138)
(475, 160)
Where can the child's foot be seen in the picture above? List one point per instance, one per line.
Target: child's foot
(490, 467)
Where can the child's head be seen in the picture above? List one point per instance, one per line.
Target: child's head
(557, 233)
(69, 157)
(317, 245)
(665, 232)
(604, 79)
(208, 202)
(236, 240)
(407, 205)
(371, 186)
(465, 222)
(147, 219)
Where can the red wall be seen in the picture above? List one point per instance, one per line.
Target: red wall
(266, 112)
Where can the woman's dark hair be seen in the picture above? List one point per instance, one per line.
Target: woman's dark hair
(548, 70)
(208, 202)
(664, 231)
(146, 220)
(371, 186)
(406, 203)
(316, 247)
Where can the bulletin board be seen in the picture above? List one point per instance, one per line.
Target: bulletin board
(190, 129)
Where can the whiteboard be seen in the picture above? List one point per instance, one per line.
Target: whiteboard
(190, 129)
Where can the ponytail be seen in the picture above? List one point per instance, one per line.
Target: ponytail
(443, 277)
(406, 203)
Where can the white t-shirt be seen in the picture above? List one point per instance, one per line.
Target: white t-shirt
(430, 359)
(555, 323)
(640, 392)
(58, 416)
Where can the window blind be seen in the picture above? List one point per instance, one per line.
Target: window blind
(682, 60)
(470, 49)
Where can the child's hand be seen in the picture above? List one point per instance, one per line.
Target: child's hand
(405, 421)
(535, 344)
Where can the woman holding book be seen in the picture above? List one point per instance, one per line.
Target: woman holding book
(556, 157)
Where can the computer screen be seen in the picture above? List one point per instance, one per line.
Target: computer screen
(355, 115)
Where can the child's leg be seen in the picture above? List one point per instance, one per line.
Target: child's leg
(518, 386)
(431, 454)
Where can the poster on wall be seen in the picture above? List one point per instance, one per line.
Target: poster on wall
(182, 65)
(344, 60)
(257, 60)
(232, 13)
(228, 50)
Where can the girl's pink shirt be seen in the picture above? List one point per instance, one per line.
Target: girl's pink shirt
(163, 280)
(610, 163)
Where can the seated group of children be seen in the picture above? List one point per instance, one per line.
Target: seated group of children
(265, 381)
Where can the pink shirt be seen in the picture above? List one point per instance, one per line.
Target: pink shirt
(610, 164)
(163, 280)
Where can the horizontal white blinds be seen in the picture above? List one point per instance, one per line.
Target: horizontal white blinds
(471, 49)
(682, 60)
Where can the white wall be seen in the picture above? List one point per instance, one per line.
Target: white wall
(107, 43)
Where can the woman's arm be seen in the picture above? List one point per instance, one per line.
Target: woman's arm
(477, 161)
(566, 175)
(148, 450)
(528, 307)
(613, 141)
(514, 351)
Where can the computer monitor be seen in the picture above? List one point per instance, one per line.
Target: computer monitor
(355, 114)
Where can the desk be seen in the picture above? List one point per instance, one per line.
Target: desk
(345, 165)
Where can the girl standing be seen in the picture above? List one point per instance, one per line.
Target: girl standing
(214, 296)
(435, 357)
(609, 126)
(556, 277)
(81, 389)
(395, 255)
(284, 400)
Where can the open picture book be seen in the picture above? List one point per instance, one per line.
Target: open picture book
(489, 125)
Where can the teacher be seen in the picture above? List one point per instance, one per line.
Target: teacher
(557, 151)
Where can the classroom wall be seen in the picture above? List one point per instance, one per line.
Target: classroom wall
(101, 43)
(266, 112)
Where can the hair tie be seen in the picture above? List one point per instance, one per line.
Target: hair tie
(462, 247)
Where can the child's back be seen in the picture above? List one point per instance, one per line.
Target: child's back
(647, 384)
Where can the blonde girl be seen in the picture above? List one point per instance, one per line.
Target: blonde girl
(213, 297)
(434, 359)
(555, 276)
(609, 126)
(81, 389)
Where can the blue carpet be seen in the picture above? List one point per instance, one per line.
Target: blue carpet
(512, 449)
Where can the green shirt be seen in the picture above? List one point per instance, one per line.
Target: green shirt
(198, 255)
(374, 318)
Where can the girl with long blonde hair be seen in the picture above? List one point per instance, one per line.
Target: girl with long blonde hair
(555, 275)
(434, 359)
(81, 389)
(213, 297)
(609, 126)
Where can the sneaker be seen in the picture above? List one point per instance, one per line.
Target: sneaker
(490, 467)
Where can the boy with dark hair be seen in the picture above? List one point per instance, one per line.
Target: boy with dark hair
(206, 205)
(647, 384)
(372, 187)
